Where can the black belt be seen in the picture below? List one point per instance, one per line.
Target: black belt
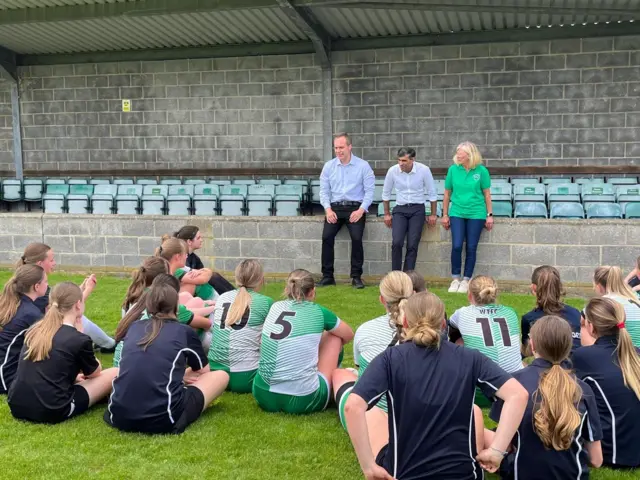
(411, 205)
(346, 203)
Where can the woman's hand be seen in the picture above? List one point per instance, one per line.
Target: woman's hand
(376, 472)
(490, 460)
(446, 223)
(488, 224)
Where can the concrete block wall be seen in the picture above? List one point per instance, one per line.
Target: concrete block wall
(561, 102)
(509, 252)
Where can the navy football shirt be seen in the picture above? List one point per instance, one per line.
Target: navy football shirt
(570, 314)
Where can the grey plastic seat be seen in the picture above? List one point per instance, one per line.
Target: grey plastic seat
(241, 189)
(551, 180)
(622, 180)
(286, 205)
(232, 204)
(33, 189)
(530, 210)
(291, 189)
(54, 199)
(501, 192)
(270, 181)
(194, 181)
(393, 204)
(100, 181)
(566, 210)
(315, 191)
(102, 200)
(262, 189)
(11, 190)
(79, 198)
(243, 181)
(502, 209)
(205, 199)
(563, 192)
(123, 181)
(440, 189)
(586, 180)
(179, 205)
(216, 181)
(632, 210)
(524, 180)
(55, 181)
(127, 201)
(598, 193)
(626, 194)
(170, 181)
(427, 208)
(78, 181)
(259, 205)
(153, 199)
(603, 210)
(146, 181)
(499, 180)
(529, 192)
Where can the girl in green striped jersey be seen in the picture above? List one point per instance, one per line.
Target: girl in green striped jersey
(371, 339)
(237, 327)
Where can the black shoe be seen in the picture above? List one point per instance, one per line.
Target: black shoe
(357, 282)
(104, 349)
(326, 281)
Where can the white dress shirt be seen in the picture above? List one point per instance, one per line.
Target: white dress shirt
(353, 182)
(416, 186)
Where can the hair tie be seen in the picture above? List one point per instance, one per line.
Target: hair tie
(160, 249)
(142, 269)
(620, 325)
(55, 304)
(22, 258)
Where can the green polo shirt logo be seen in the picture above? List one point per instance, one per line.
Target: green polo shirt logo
(467, 197)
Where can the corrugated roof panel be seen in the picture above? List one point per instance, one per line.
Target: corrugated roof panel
(9, 4)
(262, 25)
(363, 22)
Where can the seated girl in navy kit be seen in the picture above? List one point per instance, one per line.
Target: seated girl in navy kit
(18, 312)
(149, 394)
(547, 287)
(560, 432)
(430, 386)
(609, 364)
(58, 375)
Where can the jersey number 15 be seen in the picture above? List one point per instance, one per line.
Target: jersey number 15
(488, 335)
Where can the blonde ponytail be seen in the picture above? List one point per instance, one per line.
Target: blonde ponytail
(299, 284)
(22, 281)
(249, 275)
(424, 313)
(484, 290)
(629, 361)
(395, 288)
(612, 281)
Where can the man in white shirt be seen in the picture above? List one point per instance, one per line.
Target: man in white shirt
(414, 184)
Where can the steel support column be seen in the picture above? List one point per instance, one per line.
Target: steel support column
(8, 67)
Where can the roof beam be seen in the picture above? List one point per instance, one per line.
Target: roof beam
(305, 21)
(65, 13)
(486, 6)
(8, 63)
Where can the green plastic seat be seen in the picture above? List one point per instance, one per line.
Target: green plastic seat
(563, 192)
(286, 205)
(502, 209)
(232, 204)
(259, 205)
(603, 210)
(529, 192)
(571, 210)
(243, 181)
(530, 210)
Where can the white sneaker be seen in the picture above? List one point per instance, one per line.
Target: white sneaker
(455, 285)
(464, 286)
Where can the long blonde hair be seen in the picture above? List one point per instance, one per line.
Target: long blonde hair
(424, 313)
(39, 338)
(299, 284)
(33, 253)
(171, 246)
(249, 275)
(607, 317)
(555, 416)
(484, 290)
(22, 281)
(395, 288)
(471, 149)
(612, 281)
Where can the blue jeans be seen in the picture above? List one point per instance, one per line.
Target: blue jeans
(464, 229)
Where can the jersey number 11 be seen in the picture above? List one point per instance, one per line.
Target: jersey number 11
(488, 335)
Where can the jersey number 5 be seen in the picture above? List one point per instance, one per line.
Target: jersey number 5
(486, 330)
(285, 324)
(236, 326)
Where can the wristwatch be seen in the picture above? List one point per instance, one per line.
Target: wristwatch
(489, 214)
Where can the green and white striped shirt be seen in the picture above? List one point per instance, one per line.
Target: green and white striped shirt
(632, 316)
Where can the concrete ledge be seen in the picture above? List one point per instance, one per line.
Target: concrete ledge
(118, 243)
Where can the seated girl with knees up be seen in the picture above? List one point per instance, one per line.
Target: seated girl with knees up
(487, 326)
(301, 344)
(608, 282)
(149, 394)
(430, 385)
(18, 312)
(633, 279)
(192, 282)
(547, 287)
(133, 307)
(43, 256)
(560, 433)
(609, 363)
(193, 237)
(371, 339)
(58, 374)
(237, 326)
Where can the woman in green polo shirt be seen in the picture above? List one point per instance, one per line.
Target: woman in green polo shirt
(466, 209)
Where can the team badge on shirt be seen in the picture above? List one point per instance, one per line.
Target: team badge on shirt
(476, 177)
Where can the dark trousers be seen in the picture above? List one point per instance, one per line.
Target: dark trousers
(356, 230)
(464, 229)
(220, 284)
(408, 221)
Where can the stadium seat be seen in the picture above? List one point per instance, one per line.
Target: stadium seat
(563, 192)
(179, 199)
(603, 210)
(622, 180)
(270, 181)
(54, 181)
(262, 189)
(530, 210)
(78, 181)
(304, 186)
(566, 210)
(232, 204)
(215, 181)
(286, 205)
(499, 179)
(524, 180)
(551, 180)
(100, 181)
(32, 190)
(291, 189)
(243, 181)
(440, 189)
(427, 208)
(377, 191)
(259, 205)
(146, 181)
(170, 181)
(241, 189)
(205, 199)
(393, 204)
(587, 180)
(626, 194)
(315, 191)
(501, 192)
(502, 209)
(529, 192)
(598, 193)
(102, 200)
(632, 210)
(79, 198)
(153, 199)
(127, 201)
(194, 181)
(123, 181)
(54, 199)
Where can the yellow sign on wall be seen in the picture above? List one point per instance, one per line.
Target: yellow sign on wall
(126, 105)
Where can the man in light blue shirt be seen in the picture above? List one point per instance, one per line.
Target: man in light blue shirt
(346, 192)
(414, 184)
